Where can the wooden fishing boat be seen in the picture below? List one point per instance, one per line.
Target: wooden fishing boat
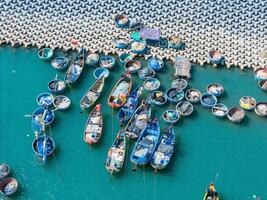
(139, 120)
(158, 98)
(116, 154)
(132, 66)
(175, 95)
(151, 84)
(45, 99)
(75, 69)
(164, 150)
(261, 109)
(236, 114)
(215, 57)
(120, 91)
(219, 110)
(92, 94)
(260, 73)
(211, 193)
(43, 146)
(175, 42)
(155, 63)
(60, 62)
(263, 84)
(4, 170)
(146, 144)
(138, 47)
(125, 57)
(127, 110)
(101, 72)
(247, 103)
(45, 53)
(122, 21)
(8, 186)
(216, 89)
(107, 61)
(208, 100)
(170, 116)
(180, 84)
(121, 42)
(61, 102)
(146, 73)
(92, 59)
(184, 108)
(94, 126)
(193, 95)
(57, 86)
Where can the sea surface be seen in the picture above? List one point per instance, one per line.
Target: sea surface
(207, 148)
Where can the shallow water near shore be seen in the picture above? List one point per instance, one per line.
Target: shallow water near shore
(208, 148)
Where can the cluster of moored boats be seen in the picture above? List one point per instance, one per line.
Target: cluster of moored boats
(8, 185)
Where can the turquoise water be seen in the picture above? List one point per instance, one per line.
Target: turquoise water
(206, 146)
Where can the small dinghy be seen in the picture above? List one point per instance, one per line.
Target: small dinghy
(215, 89)
(92, 94)
(164, 150)
(75, 69)
(219, 110)
(184, 108)
(175, 42)
(139, 120)
(120, 91)
(159, 98)
(193, 95)
(247, 103)
(45, 99)
(155, 63)
(146, 144)
(263, 84)
(122, 21)
(180, 84)
(8, 186)
(170, 116)
(92, 59)
(94, 126)
(4, 170)
(125, 57)
(101, 72)
(57, 86)
(107, 62)
(45, 53)
(127, 110)
(41, 118)
(236, 114)
(151, 84)
(116, 154)
(215, 57)
(261, 73)
(61, 102)
(60, 63)
(121, 43)
(146, 73)
(138, 47)
(211, 193)
(261, 109)
(175, 95)
(43, 146)
(132, 66)
(208, 100)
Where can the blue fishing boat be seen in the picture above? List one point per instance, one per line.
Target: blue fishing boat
(41, 118)
(193, 95)
(43, 146)
(170, 116)
(61, 102)
(4, 170)
(164, 150)
(155, 63)
(101, 72)
(139, 120)
(184, 108)
(215, 57)
(132, 66)
(159, 98)
(57, 86)
(208, 100)
(60, 63)
(75, 69)
(138, 47)
(260, 73)
(127, 110)
(146, 73)
(175, 42)
(45, 53)
(146, 144)
(107, 61)
(121, 43)
(8, 186)
(122, 21)
(216, 89)
(175, 95)
(45, 99)
(116, 154)
(92, 59)
(180, 84)
(151, 84)
(219, 110)
(125, 57)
